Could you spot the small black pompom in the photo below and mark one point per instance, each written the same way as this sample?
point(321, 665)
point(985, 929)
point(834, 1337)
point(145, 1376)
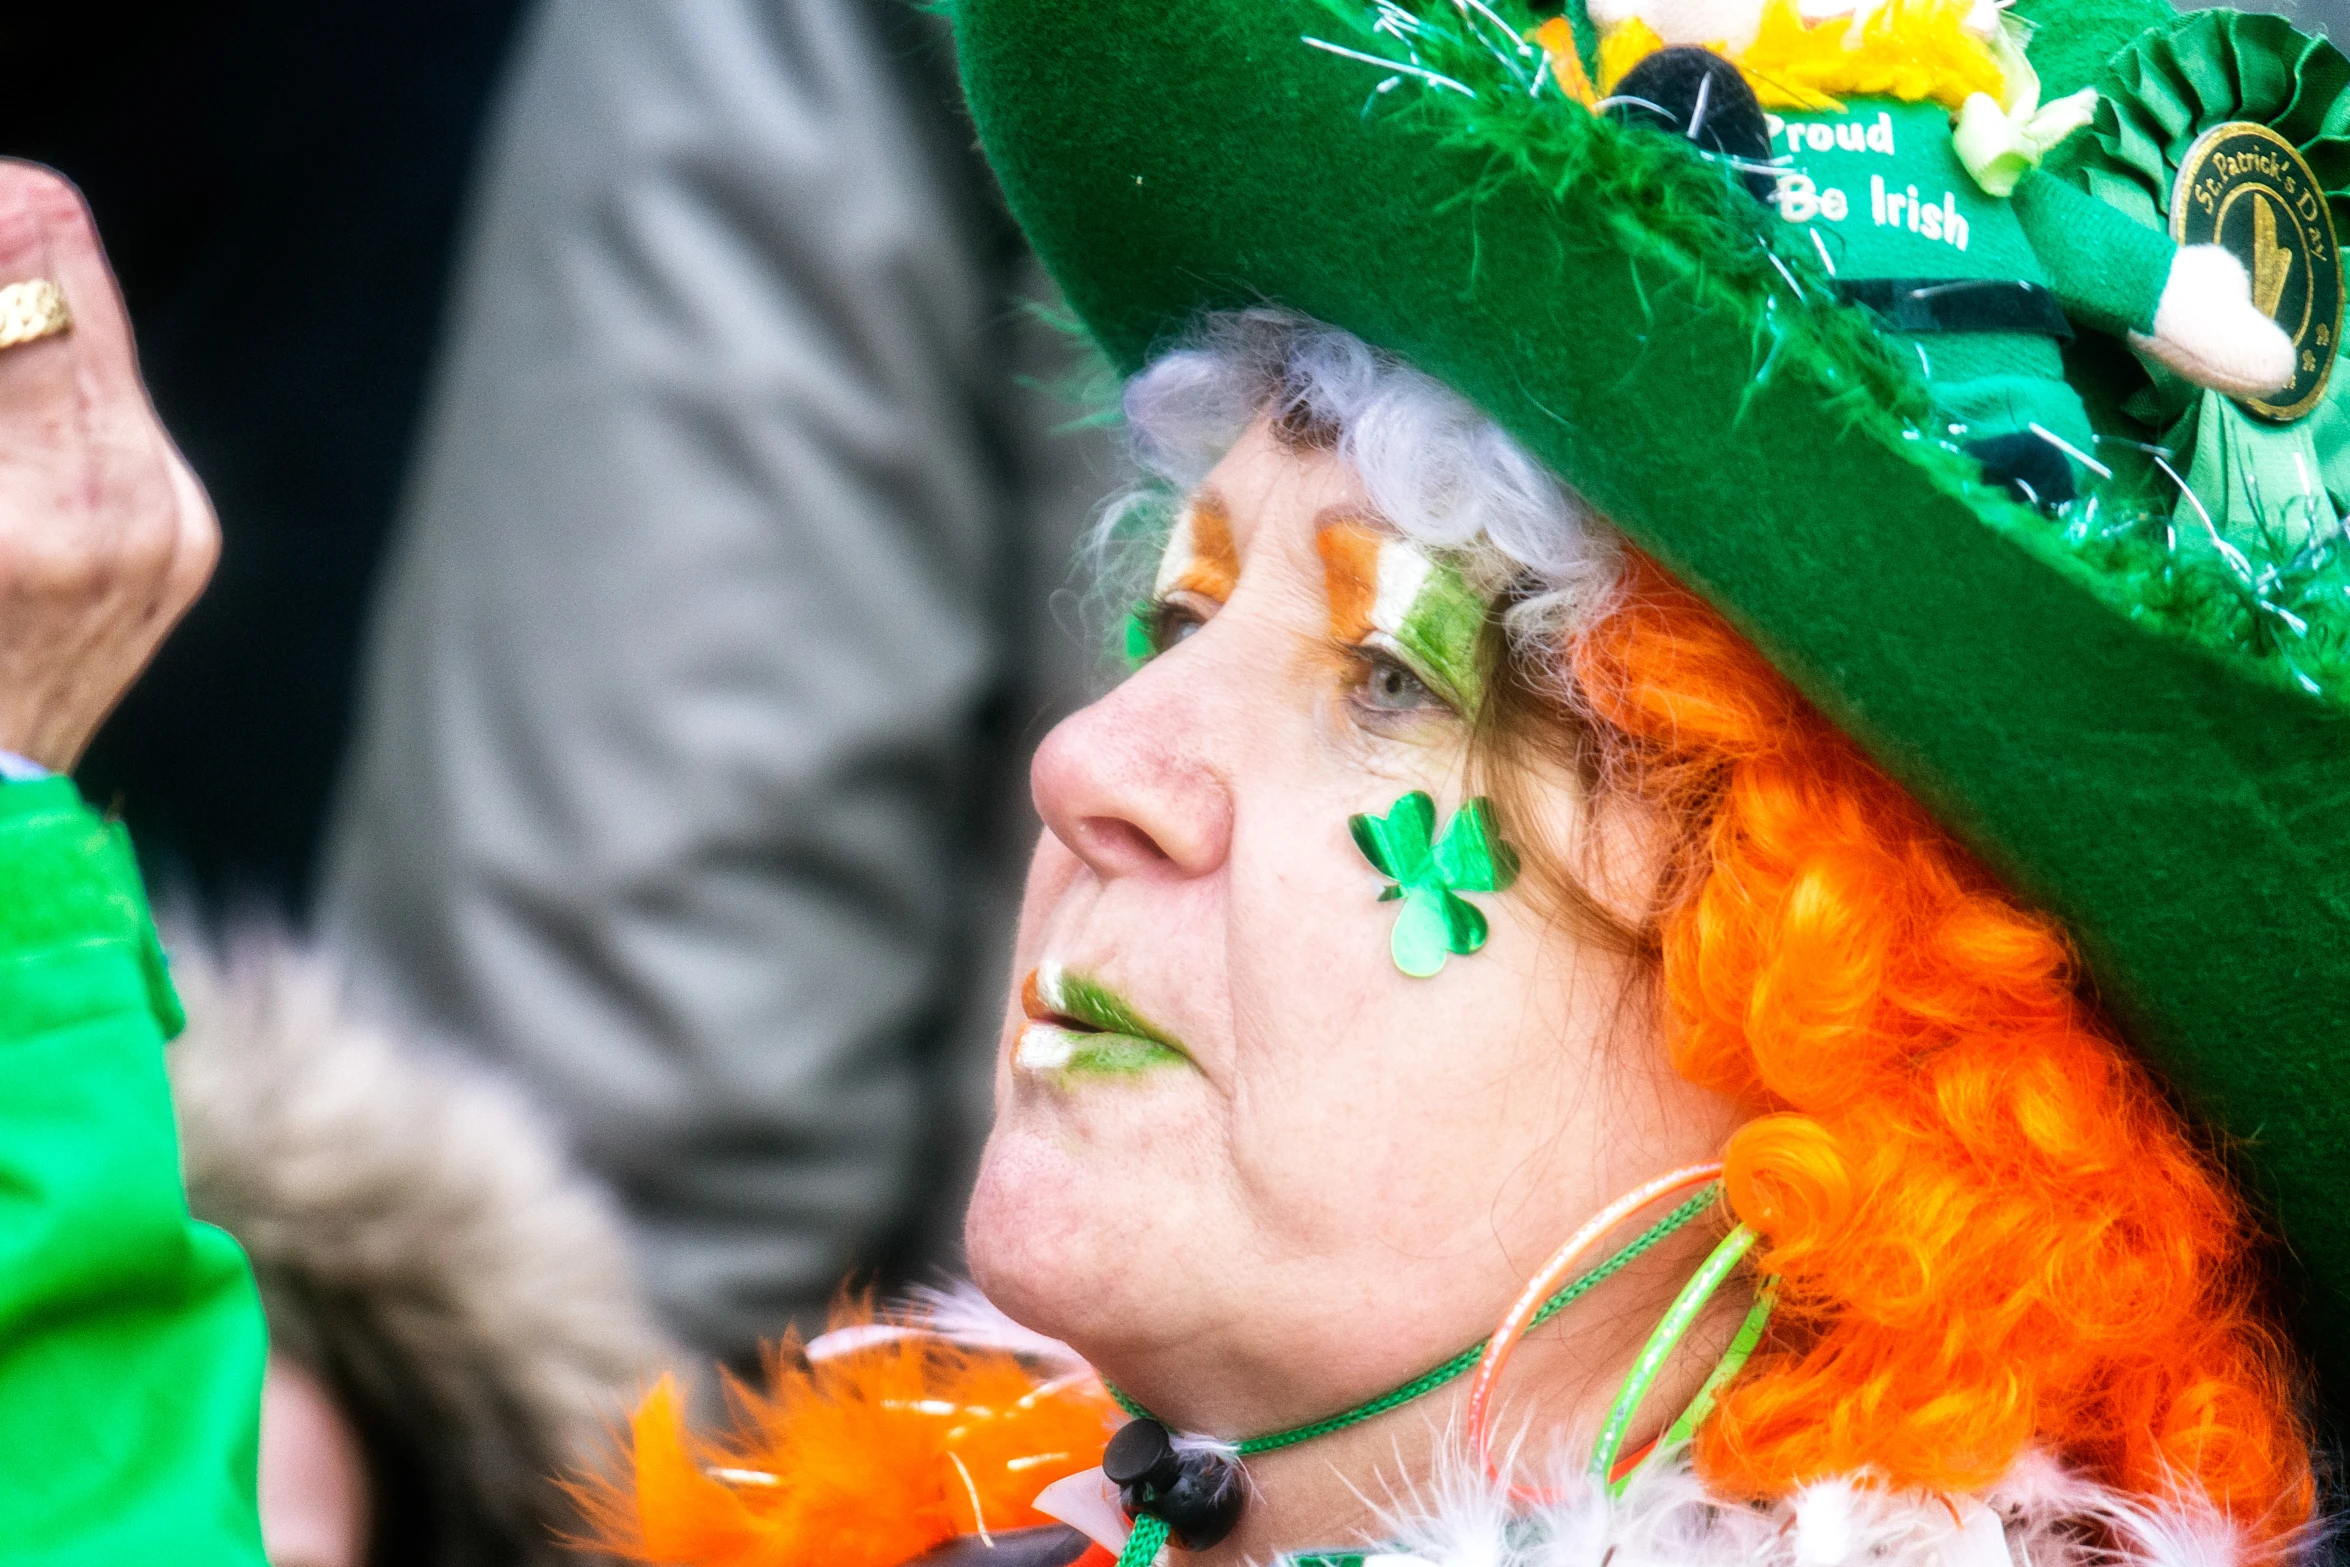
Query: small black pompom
point(1696, 94)
point(1199, 1493)
point(2027, 467)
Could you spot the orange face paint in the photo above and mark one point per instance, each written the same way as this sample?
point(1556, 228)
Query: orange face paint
point(1387, 593)
point(1200, 557)
point(1350, 572)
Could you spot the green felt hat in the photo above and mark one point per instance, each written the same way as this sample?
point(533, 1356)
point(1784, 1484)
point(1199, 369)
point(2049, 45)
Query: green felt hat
point(2137, 741)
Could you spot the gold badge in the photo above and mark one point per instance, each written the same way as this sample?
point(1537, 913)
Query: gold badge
point(2245, 187)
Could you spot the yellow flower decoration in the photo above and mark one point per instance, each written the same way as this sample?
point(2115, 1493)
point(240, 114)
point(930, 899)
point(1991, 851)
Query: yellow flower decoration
point(1913, 50)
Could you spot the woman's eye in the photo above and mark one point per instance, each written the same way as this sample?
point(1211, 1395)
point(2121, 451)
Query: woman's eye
point(1170, 621)
point(1388, 687)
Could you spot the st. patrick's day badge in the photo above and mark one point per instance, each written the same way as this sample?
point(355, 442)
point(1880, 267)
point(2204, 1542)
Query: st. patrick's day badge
point(2243, 186)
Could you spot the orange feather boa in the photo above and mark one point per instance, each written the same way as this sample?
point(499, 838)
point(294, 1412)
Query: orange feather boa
point(865, 1459)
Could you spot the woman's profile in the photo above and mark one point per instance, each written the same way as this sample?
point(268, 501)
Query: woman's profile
point(1651, 964)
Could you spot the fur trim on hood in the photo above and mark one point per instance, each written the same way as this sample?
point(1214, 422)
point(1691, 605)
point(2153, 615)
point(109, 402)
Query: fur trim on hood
point(423, 1245)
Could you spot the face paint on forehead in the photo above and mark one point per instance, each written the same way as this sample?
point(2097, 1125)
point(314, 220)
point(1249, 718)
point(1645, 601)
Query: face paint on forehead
point(1388, 593)
point(1199, 557)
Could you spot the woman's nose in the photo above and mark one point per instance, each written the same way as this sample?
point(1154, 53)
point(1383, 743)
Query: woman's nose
point(1127, 787)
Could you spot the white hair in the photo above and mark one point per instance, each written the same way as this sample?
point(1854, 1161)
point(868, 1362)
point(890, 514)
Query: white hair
point(1442, 473)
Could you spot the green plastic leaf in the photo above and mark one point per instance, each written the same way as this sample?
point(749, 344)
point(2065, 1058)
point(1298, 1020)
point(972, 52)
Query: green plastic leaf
point(1371, 838)
point(1472, 857)
point(1397, 844)
point(1464, 924)
point(1435, 921)
point(1423, 935)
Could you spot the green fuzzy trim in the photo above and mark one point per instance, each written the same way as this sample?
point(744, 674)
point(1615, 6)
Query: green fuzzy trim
point(1121, 562)
point(2291, 609)
point(1090, 387)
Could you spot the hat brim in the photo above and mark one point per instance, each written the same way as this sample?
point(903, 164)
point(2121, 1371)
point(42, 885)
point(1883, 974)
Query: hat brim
point(2185, 810)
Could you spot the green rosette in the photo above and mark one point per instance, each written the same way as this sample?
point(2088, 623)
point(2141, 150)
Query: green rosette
point(2275, 491)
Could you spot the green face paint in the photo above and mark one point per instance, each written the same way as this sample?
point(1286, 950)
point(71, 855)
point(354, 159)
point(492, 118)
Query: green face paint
point(1078, 1025)
point(1387, 593)
point(1438, 635)
point(1136, 644)
point(1199, 559)
point(1044, 1048)
point(1430, 873)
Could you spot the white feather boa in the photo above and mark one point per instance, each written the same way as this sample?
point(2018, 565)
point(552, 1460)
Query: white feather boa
point(2039, 1515)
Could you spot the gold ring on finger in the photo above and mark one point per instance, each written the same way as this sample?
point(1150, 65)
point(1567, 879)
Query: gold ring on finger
point(32, 310)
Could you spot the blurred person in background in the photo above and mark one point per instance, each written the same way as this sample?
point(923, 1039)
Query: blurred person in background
point(689, 781)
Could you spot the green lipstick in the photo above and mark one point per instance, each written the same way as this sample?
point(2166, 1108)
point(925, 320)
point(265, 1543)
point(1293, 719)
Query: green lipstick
point(1076, 1024)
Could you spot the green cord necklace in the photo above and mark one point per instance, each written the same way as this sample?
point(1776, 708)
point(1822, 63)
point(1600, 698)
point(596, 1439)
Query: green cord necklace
point(1195, 1496)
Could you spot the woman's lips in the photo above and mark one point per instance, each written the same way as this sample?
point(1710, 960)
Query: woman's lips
point(1078, 1025)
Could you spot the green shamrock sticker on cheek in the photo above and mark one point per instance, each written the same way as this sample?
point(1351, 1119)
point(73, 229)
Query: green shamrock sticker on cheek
point(1431, 873)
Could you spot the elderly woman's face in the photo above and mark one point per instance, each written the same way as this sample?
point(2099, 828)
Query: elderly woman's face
point(1240, 1160)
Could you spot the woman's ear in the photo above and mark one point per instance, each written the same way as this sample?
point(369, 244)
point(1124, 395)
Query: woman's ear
point(1636, 853)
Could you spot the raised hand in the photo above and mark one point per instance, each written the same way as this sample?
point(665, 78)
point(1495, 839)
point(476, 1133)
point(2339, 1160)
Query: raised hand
point(106, 536)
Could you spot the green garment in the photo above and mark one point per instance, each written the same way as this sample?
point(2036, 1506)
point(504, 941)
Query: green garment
point(131, 1338)
point(2108, 269)
point(1880, 187)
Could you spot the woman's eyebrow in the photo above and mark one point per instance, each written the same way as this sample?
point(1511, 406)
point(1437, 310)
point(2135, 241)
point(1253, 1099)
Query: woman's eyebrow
point(1356, 514)
point(1200, 557)
point(1350, 570)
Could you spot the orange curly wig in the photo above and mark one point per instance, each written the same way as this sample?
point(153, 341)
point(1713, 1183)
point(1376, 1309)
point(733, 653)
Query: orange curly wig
point(1991, 1229)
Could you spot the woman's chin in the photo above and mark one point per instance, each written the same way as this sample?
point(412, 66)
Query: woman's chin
point(1032, 1257)
point(1077, 1235)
